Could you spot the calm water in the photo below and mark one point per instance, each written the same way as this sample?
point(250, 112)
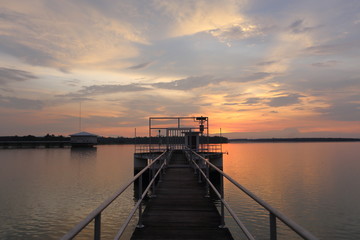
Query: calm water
point(45, 192)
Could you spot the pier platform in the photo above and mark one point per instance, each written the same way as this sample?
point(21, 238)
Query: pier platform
point(180, 209)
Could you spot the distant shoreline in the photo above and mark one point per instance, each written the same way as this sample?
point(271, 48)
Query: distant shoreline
point(266, 140)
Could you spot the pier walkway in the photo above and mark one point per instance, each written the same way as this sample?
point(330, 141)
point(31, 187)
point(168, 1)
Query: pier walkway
point(176, 200)
point(180, 209)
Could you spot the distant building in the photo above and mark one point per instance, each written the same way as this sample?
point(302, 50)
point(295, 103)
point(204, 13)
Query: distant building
point(83, 139)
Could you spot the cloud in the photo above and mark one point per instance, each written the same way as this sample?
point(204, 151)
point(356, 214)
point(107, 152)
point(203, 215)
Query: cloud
point(203, 81)
point(66, 35)
point(105, 89)
point(235, 32)
point(267, 63)
point(253, 100)
point(140, 66)
point(156, 104)
point(298, 27)
point(190, 17)
point(9, 74)
point(20, 103)
point(346, 109)
point(330, 63)
point(187, 83)
point(287, 100)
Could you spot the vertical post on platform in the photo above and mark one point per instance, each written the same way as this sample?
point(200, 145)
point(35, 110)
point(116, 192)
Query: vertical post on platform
point(222, 225)
point(207, 184)
point(153, 177)
point(273, 234)
point(97, 227)
point(199, 172)
point(140, 225)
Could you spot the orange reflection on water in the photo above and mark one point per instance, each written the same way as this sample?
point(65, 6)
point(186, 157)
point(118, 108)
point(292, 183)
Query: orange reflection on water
point(309, 182)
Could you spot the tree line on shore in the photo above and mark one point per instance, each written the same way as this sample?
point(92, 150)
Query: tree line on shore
point(112, 140)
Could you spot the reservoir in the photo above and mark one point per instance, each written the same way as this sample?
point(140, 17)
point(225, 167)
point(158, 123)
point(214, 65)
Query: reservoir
point(46, 192)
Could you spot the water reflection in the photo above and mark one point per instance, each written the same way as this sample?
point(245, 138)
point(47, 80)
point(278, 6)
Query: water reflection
point(312, 183)
point(83, 153)
point(45, 192)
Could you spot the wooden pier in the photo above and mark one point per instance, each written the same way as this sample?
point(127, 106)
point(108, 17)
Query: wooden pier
point(180, 209)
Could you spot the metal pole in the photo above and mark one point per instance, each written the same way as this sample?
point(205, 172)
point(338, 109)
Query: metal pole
point(273, 234)
point(140, 225)
point(199, 171)
point(222, 225)
point(153, 184)
point(97, 227)
point(207, 184)
point(149, 134)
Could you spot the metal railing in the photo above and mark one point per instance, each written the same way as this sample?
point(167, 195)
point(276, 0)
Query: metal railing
point(203, 148)
point(273, 213)
point(156, 167)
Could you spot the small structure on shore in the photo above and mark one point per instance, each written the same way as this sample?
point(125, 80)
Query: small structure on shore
point(83, 139)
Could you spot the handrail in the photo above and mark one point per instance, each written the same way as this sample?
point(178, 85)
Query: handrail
point(273, 212)
point(232, 213)
point(132, 212)
point(97, 212)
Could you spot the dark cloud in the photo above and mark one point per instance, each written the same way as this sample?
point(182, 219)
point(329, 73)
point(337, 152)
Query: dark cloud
point(203, 81)
point(350, 47)
point(187, 83)
point(140, 66)
point(330, 63)
point(347, 109)
point(105, 89)
point(20, 103)
point(266, 63)
point(9, 74)
point(253, 100)
point(298, 27)
point(231, 104)
point(234, 96)
point(25, 53)
point(290, 99)
point(254, 77)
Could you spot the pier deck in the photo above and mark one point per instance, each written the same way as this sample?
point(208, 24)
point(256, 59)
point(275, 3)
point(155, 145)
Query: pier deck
point(180, 210)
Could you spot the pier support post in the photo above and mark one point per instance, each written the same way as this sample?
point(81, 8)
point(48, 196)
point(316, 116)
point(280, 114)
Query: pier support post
point(140, 225)
point(207, 184)
point(97, 227)
point(273, 234)
point(222, 224)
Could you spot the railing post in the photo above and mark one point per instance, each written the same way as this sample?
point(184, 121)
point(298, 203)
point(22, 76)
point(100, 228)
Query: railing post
point(97, 227)
point(199, 170)
point(207, 184)
point(140, 225)
point(222, 225)
point(153, 184)
point(273, 234)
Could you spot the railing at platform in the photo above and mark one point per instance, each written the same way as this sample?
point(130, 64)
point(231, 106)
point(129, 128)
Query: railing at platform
point(203, 148)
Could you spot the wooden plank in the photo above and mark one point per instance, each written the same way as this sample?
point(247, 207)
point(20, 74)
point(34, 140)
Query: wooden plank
point(180, 210)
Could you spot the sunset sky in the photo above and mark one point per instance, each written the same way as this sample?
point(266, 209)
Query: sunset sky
point(275, 68)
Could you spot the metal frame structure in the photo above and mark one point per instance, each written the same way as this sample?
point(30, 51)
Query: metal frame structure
point(177, 131)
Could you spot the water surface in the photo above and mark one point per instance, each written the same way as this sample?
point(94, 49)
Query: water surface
point(45, 192)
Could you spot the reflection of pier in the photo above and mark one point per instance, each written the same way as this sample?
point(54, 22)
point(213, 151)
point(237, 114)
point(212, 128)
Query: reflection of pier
point(178, 176)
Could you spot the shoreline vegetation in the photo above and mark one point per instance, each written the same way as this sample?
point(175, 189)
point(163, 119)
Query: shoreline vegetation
point(105, 140)
point(156, 140)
